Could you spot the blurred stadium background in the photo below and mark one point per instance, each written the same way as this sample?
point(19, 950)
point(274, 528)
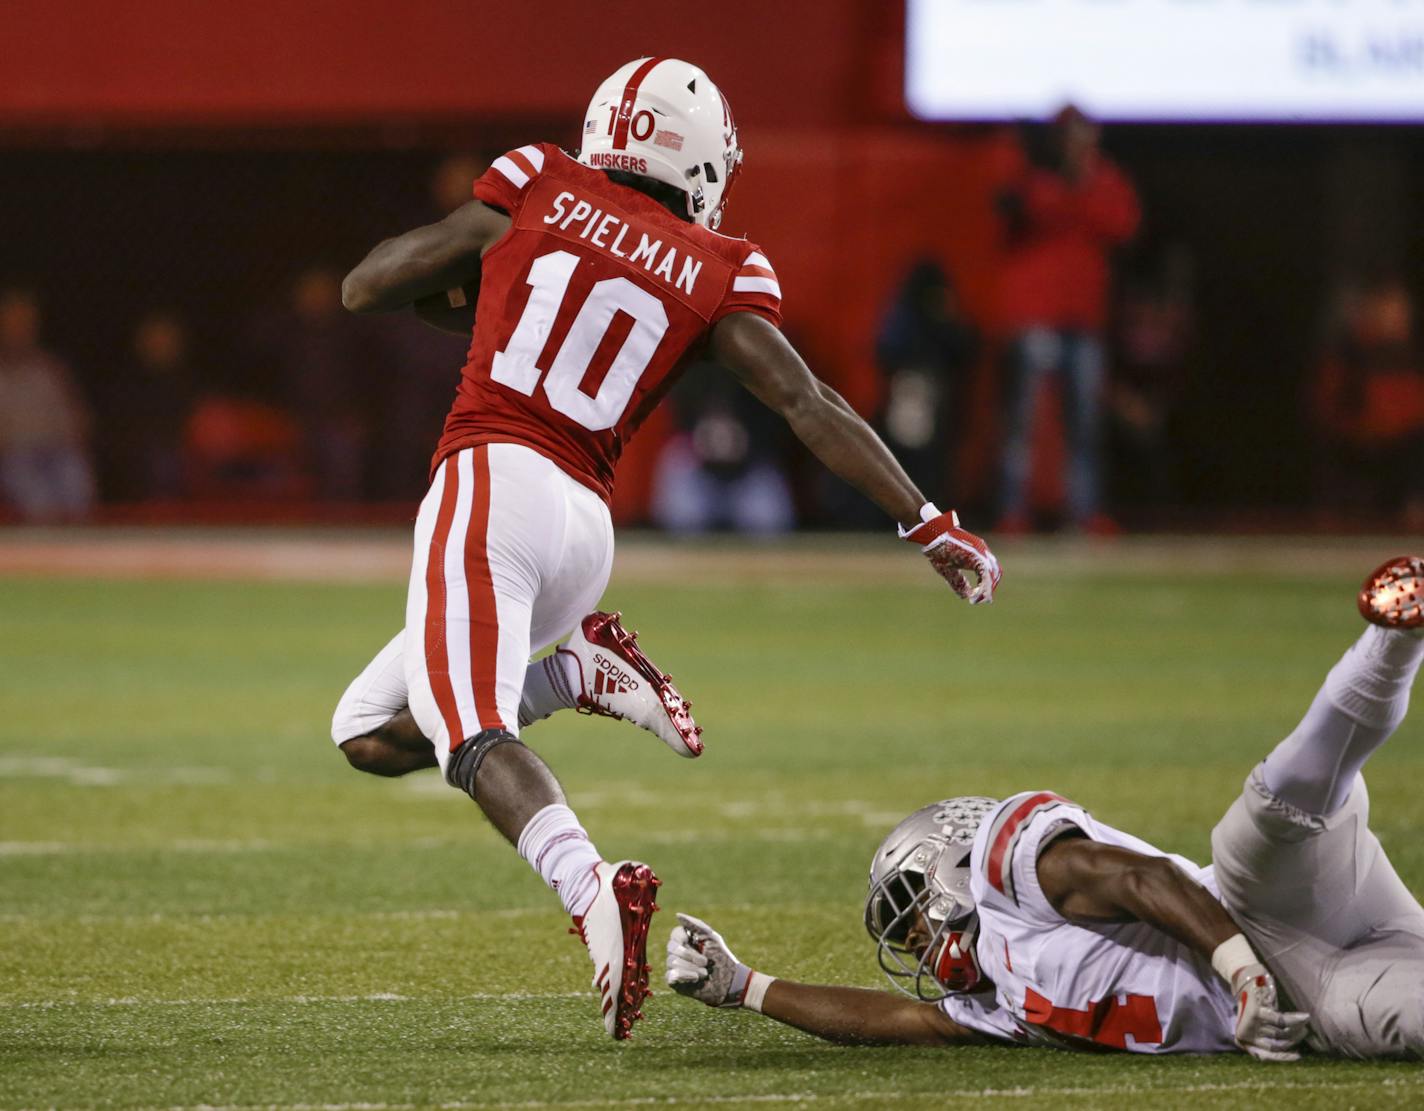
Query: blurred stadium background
point(182, 184)
point(201, 905)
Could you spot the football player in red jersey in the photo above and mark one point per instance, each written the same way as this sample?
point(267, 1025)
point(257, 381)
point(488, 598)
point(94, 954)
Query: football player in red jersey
point(1024, 921)
point(596, 276)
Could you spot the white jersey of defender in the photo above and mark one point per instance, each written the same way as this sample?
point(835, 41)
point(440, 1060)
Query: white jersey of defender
point(1125, 986)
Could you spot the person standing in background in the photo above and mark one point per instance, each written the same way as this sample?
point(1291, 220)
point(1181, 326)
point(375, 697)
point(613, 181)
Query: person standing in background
point(722, 468)
point(150, 405)
point(416, 381)
point(925, 350)
point(45, 470)
point(1369, 407)
point(324, 368)
point(1064, 209)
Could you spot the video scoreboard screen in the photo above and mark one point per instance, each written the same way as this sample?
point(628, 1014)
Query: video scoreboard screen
point(1202, 60)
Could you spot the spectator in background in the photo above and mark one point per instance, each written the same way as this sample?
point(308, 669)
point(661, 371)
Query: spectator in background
point(323, 367)
point(1369, 406)
point(422, 364)
point(925, 350)
point(1065, 207)
point(1156, 320)
point(453, 182)
point(45, 469)
point(722, 468)
point(150, 408)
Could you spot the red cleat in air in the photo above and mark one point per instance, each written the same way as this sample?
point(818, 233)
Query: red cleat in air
point(1393, 595)
point(619, 681)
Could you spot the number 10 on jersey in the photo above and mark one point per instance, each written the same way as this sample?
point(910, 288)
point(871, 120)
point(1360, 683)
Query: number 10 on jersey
point(516, 367)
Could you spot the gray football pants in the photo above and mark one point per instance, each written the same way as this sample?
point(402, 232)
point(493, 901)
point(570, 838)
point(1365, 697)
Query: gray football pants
point(1329, 915)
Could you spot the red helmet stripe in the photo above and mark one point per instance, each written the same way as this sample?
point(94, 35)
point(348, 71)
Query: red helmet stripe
point(625, 106)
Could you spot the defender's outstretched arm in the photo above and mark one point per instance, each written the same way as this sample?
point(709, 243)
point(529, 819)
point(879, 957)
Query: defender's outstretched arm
point(765, 363)
point(424, 262)
point(860, 1016)
point(700, 964)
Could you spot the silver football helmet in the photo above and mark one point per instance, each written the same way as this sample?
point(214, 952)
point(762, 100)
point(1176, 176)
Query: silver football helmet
point(918, 909)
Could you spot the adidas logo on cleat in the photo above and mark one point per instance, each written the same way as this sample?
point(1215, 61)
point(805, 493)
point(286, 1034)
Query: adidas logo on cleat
point(610, 678)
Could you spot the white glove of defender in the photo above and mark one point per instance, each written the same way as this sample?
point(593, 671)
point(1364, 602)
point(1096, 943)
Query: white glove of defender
point(700, 964)
point(1262, 1029)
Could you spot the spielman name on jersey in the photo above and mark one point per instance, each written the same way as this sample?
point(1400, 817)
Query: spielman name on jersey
point(605, 231)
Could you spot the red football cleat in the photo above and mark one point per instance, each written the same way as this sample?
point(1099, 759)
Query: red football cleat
point(615, 929)
point(619, 681)
point(1393, 595)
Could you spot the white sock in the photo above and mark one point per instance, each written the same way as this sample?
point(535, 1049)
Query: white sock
point(1371, 682)
point(1364, 699)
point(550, 684)
point(558, 848)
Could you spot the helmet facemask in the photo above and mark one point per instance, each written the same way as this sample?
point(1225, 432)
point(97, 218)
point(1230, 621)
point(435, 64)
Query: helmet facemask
point(919, 908)
point(923, 953)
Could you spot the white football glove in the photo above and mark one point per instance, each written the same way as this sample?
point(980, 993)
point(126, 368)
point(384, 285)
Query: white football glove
point(1262, 1028)
point(700, 965)
point(952, 551)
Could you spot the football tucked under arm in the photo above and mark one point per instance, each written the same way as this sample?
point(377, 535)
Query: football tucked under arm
point(452, 311)
point(424, 262)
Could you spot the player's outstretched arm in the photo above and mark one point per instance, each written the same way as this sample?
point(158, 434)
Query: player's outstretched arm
point(424, 262)
point(700, 965)
point(1090, 882)
point(766, 363)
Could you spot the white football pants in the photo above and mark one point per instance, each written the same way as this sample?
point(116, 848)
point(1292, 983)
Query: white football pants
point(510, 553)
point(1321, 902)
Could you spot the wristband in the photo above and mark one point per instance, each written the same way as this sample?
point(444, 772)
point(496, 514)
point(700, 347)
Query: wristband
point(757, 983)
point(1232, 955)
point(928, 512)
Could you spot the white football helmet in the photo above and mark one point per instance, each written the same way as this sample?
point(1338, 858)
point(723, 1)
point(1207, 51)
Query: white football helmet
point(919, 909)
point(665, 119)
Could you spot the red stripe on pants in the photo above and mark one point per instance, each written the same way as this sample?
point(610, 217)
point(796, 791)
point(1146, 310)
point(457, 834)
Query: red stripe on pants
point(437, 658)
point(484, 614)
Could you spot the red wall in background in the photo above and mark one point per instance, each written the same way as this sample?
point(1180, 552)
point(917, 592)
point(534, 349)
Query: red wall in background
point(840, 188)
point(791, 62)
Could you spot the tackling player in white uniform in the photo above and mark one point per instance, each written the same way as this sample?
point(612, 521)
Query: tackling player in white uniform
point(1026, 921)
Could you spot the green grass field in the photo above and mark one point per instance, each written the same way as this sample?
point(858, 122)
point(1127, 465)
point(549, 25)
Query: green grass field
point(203, 906)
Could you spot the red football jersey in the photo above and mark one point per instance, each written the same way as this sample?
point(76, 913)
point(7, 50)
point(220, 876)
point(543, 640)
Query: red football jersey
point(587, 308)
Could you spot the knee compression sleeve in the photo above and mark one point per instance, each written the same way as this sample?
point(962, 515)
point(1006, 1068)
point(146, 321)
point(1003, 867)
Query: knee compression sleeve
point(465, 761)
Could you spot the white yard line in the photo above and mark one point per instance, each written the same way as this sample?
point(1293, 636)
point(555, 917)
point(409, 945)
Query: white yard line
point(79, 774)
point(258, 1000)
point(939, 1096)
point(182, 845)
point(383, 556)
point(423, 915)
